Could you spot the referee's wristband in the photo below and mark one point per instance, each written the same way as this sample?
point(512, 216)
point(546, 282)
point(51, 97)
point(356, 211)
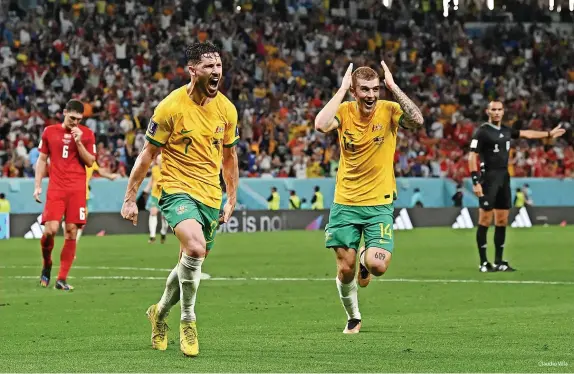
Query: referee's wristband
point(474, 175)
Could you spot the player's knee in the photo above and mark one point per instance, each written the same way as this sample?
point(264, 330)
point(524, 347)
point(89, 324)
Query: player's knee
point(71, 232)
point(501, 221)
point(153, 211)
point(195, 246)
point(485, 219)
point(378, 261)
point(346, 271)
point(51, 228)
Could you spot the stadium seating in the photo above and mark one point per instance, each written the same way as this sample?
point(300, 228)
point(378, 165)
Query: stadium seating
point(282, 63)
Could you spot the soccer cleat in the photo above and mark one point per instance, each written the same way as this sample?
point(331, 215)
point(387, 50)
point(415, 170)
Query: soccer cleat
point(45, 277)
point(163, 238)
point(63, 285)
point(188, 342)
point(503, 266)
point(363, 275)
point(353, 326)
point(158, 329)
point(486, 267)
point(151, 240)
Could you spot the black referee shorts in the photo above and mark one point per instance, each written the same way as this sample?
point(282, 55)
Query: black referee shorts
point(496, 190)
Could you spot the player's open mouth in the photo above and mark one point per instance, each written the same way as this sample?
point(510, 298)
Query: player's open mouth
point(213, 83)
point(369, 103)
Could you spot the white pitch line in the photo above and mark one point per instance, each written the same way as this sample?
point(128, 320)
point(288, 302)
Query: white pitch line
point(90, 268)
point(205, 276)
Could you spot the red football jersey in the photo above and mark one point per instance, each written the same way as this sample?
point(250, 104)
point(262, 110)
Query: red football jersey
point(67, 171)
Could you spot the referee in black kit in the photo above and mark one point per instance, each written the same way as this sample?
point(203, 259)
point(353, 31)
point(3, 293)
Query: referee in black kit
point(491, 142)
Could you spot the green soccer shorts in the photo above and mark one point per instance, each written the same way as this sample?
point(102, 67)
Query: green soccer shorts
point(348, 223)
point(152, 202)
point(178, 207)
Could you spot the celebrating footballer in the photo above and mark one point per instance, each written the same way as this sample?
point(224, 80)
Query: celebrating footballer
point(365, 188)
point(195, 128)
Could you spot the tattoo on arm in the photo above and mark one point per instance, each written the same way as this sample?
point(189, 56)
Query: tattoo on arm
point(413, 117)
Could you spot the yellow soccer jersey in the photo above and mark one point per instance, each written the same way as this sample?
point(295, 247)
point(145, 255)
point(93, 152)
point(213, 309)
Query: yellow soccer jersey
point(155, 176)
point(366, 174)
point(89, 174)
point(193, 137)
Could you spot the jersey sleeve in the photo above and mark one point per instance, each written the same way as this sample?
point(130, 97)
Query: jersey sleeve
point(95, 166)
point(477, 142)
point(43, 146)
point(397, 114)
point(90, 142)
point(231, 136)
point(160, 125)
point(514, 133)
point(340, 116)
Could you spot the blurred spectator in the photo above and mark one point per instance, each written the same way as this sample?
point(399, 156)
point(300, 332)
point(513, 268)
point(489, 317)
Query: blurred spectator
point(283, 60)
point(4, 204)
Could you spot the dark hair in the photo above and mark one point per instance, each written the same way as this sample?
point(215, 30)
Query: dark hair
point(2, 196)
point(194, 51)
point(75, 106)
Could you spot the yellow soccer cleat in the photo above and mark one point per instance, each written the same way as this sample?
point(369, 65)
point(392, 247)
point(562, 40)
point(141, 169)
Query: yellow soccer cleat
point(363, 275)
point(188, 342)
point(158, 329)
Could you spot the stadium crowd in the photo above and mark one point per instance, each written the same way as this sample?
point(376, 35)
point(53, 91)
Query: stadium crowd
point(282, 63)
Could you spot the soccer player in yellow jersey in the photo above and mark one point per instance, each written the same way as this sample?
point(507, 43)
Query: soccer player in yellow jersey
point(365, 185)
point(195, 128)
point(153, 202)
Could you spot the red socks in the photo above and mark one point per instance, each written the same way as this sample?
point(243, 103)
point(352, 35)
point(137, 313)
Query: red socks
point(66, 258)
point(47, 244)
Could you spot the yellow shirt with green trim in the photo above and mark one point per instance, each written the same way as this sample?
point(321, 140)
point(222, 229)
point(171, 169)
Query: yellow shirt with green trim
point(366, 175)
point(193, 137)
point(155, 176)
point(89, 173)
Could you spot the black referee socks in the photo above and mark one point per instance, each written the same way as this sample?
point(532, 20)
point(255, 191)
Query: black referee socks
point(499, 238)
point(481, 242)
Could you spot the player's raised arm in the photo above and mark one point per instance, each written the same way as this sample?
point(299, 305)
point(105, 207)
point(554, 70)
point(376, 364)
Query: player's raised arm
point(533, 134)
point(325, 120)
point(86, 152)
point(413, 117)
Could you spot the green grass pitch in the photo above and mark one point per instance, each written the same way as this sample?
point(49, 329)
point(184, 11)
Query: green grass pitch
point(271, 305)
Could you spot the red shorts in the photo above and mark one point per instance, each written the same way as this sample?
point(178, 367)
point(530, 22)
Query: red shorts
point(71, 204)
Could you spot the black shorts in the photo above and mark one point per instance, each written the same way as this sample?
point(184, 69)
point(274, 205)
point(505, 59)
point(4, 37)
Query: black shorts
point(496, 190)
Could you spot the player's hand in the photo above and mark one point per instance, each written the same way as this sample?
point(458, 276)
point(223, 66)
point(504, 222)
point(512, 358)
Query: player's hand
point(114, 176)
point(389, 81)
point(477, 188)
point(130, 211)
point(557, 132)
point(37, 193)
point(227, 211)
point(77, 134)
point(347, 78)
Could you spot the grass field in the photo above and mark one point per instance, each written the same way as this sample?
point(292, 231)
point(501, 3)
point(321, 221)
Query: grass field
point(271, 306)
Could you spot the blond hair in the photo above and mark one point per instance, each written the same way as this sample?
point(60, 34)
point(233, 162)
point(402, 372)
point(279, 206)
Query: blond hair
point(365, 73)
